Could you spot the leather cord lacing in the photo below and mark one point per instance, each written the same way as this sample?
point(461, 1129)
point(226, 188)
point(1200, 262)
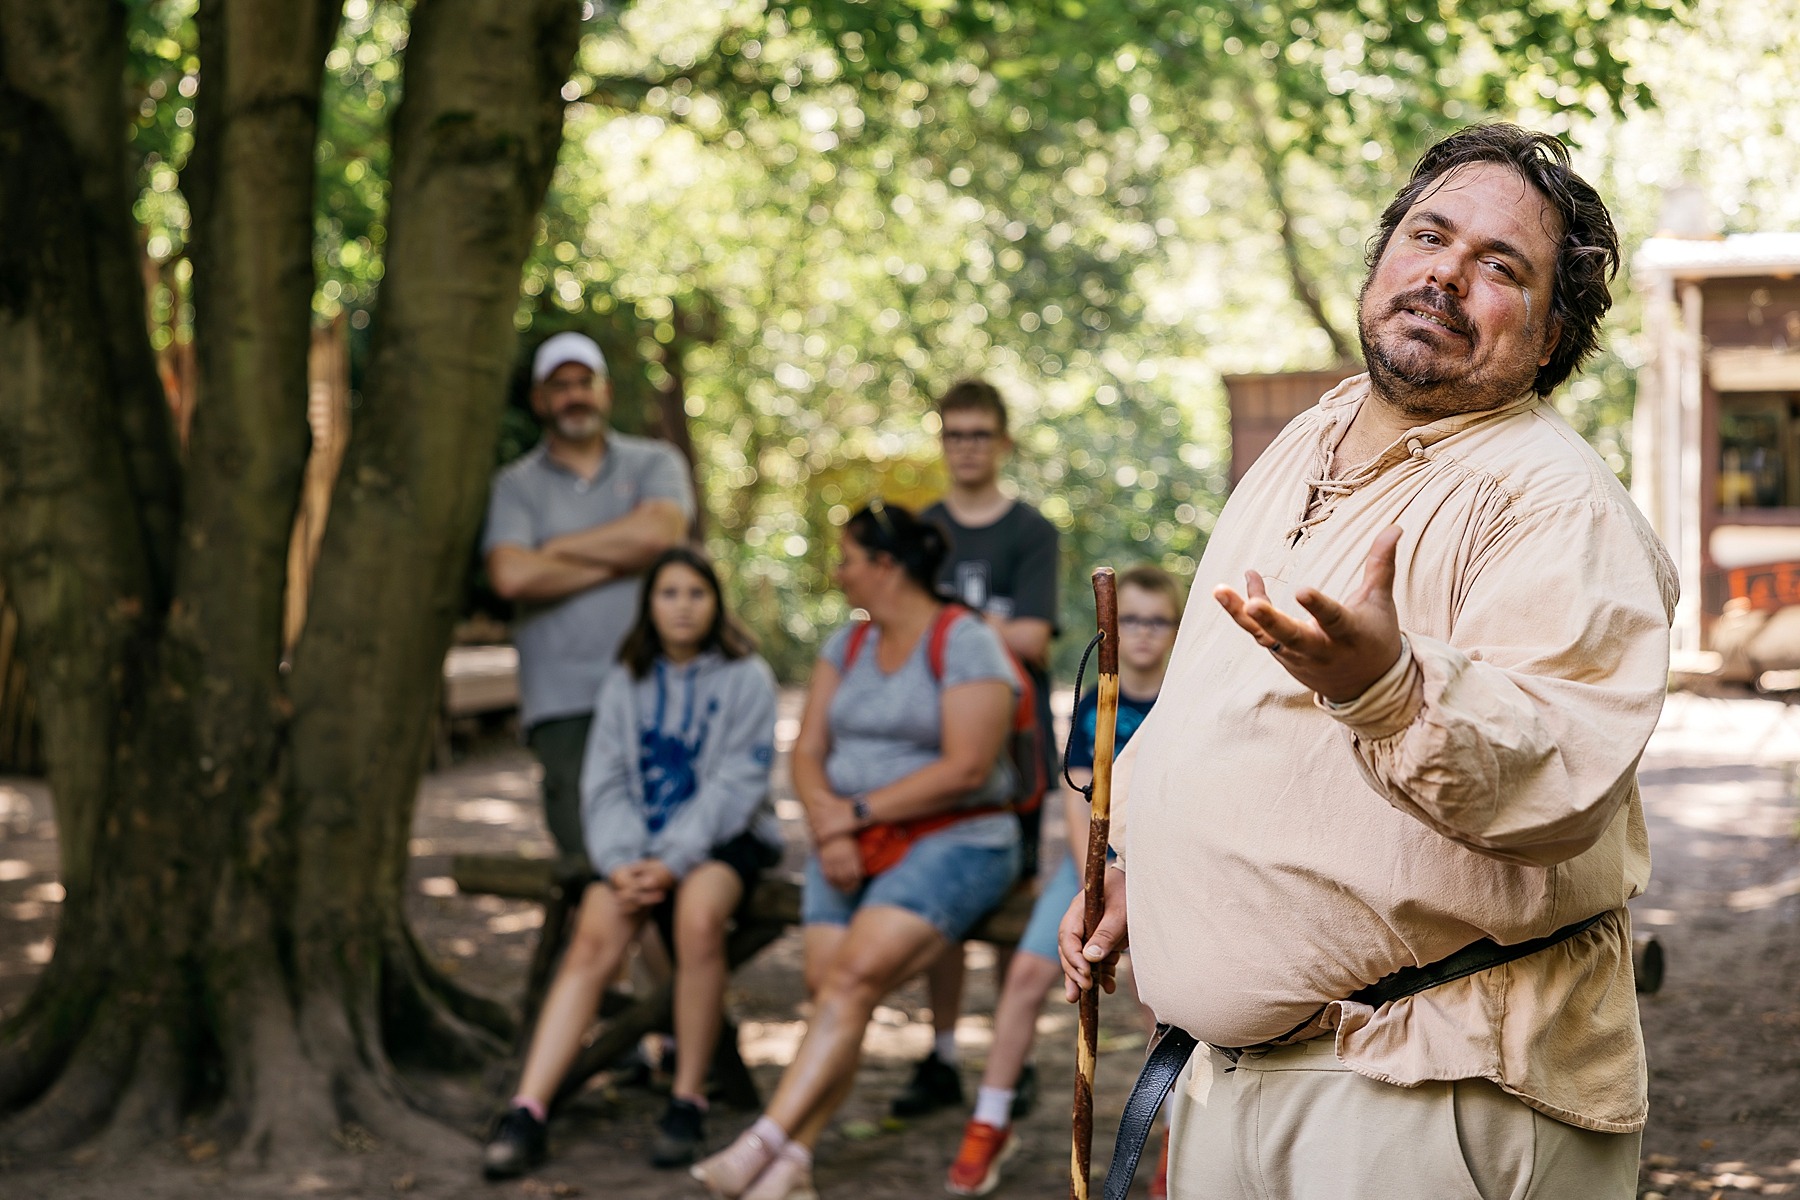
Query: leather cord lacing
point(1322, 494)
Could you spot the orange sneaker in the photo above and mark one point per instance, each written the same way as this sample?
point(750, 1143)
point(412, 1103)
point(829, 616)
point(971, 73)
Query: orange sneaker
point(1159, 1182)
point(976, 1171)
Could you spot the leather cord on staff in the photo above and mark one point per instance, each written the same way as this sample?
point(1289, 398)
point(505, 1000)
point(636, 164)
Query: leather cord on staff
point(1080, 675)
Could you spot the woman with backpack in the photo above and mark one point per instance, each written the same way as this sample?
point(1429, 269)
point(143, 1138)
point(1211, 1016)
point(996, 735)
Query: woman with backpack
point(676, 815)
point(901, 765)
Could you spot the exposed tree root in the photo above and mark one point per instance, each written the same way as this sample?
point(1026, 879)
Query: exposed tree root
point(396, 1121)
point(149, 1111)
point(483, 1011)
point(36, 1043)
point(85, 1092)
point(422, 1027)
point(282, 1096)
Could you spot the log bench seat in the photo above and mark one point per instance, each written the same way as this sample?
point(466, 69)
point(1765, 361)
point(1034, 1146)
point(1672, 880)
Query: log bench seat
point(557, 884)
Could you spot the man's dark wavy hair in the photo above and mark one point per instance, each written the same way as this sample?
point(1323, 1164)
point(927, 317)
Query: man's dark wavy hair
point(1588, 256)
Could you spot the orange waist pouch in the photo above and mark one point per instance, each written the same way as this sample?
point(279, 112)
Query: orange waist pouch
point(881, 846)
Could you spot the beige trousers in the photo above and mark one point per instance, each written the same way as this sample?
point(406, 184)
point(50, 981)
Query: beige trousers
point(1297, 1124)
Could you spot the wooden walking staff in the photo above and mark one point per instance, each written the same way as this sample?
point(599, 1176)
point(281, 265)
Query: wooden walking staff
point(1106, 612)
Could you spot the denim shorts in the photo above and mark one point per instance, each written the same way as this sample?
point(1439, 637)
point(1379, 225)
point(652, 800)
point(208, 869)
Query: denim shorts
point(1059, 892)
point(947, 881)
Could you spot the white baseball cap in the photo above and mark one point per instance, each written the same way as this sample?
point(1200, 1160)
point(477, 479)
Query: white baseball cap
point(567, 347)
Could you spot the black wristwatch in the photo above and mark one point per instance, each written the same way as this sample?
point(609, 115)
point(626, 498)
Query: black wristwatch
point(859, 805)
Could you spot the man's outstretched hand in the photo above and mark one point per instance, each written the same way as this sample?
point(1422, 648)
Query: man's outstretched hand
point(1346, 646)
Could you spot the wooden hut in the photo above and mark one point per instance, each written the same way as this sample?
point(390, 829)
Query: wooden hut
point(1716, 444)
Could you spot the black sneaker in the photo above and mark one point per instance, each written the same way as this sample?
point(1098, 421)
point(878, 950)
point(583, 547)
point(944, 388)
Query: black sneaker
point(1025, 1092)
point(519, 1142)
point(935, 1084)
point(680, 1135)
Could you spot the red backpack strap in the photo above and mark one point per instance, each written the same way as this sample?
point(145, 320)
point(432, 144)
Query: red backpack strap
point(859, 633)
point(940, 636)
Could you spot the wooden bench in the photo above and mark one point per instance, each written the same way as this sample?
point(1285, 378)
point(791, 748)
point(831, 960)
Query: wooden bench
point(478, 680)
point(557, 884)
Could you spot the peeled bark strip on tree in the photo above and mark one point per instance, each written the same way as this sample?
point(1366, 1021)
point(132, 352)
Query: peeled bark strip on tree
point(232, 942)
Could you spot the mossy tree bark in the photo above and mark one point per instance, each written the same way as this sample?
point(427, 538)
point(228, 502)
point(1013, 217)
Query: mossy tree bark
point(234, 839)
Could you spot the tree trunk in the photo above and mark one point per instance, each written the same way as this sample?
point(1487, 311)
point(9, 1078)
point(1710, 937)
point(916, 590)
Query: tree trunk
point(232, 941)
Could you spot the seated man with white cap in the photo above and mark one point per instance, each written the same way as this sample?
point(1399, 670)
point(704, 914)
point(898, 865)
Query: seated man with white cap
point(570, 525)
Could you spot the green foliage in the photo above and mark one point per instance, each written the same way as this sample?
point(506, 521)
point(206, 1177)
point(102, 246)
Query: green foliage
point(162, 77)
point(362, 87)
point(797, 220)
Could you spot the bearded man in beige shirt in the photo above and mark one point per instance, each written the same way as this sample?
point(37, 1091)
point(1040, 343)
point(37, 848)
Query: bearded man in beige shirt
point(1333, 793)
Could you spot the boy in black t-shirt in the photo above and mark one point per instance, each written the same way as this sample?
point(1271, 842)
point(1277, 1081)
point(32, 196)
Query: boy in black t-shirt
point(1002, 564)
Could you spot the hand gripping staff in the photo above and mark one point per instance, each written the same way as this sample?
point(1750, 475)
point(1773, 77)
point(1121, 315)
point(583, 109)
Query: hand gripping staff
point(1106, 613)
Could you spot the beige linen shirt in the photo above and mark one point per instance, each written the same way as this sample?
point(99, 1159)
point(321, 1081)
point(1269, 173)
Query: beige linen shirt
point(1282, 855)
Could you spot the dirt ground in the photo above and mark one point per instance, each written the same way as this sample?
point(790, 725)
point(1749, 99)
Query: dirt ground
point(1722, 795)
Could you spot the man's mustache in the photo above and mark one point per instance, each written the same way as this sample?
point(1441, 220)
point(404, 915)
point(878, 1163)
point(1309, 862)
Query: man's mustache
point(1438, 304)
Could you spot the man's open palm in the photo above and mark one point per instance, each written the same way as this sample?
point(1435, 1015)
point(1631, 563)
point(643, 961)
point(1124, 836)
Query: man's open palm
point(1345, 646)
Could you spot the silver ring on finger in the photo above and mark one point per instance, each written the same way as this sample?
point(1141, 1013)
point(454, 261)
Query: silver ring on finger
point(1276, 648)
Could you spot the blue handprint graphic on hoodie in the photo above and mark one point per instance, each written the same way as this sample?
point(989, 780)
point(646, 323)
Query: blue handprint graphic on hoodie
point(666, 759)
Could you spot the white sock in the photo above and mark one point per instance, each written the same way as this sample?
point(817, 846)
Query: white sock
point(798, 1154)
point(993, 1106)
point(774, 1137)
point(944, 1046)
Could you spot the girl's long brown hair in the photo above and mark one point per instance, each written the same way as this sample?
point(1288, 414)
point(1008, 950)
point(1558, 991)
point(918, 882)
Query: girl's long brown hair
point(727, 635)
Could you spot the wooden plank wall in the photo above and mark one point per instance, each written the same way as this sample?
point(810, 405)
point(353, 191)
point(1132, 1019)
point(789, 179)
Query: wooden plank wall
point(1262, 405)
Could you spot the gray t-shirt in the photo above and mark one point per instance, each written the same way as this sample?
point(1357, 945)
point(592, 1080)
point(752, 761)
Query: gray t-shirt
point(884, 727)
point(566, 647)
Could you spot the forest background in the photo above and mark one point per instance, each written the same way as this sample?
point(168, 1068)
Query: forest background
point(789, 223)
point(787, 249)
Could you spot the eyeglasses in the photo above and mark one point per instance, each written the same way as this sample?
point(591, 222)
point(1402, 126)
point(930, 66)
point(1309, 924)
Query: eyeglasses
point(969, 437)
point(1136, 624)
point(879, 511)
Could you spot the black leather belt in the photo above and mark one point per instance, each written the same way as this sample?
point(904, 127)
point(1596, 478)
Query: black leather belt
point(1170, 1048)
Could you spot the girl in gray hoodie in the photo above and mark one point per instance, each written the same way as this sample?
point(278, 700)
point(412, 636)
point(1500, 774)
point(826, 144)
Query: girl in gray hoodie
point(678, 823)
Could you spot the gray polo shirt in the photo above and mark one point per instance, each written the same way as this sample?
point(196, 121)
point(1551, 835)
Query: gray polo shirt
point(566, 647)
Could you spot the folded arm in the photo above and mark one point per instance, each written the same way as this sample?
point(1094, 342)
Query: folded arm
point(975, 717)
point(521, 573)
point(626, 545)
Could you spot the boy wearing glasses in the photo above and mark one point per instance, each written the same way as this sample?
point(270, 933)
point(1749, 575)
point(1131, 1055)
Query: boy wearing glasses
point(1149, 607)
point(1002, 564)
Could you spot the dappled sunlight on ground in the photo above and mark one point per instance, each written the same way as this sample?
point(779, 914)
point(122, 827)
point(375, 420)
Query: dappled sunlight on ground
point(1719, 785)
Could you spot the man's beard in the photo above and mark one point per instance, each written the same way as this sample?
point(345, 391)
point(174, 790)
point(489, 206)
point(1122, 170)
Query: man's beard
point(580, 423)
point(1434, 386)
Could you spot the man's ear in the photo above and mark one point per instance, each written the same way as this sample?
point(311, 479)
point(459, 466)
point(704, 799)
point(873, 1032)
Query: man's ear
point(1550, 343)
